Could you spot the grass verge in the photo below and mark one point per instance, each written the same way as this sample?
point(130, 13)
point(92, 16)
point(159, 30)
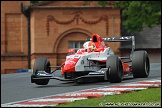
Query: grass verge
point(145, 98)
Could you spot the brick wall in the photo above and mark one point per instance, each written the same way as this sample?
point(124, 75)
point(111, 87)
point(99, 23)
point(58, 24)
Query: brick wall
point(13, 37)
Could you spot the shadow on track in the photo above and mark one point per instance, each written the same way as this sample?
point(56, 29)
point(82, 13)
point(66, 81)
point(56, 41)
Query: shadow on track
point(83, 83)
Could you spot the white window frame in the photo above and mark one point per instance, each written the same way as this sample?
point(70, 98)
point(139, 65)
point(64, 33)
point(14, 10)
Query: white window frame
point(74, 43)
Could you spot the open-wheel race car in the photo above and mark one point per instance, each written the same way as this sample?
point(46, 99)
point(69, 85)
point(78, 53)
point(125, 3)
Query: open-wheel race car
point(95, 60)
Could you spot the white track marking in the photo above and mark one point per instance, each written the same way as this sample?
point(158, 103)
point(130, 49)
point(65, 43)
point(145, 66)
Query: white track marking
point(92, 93)
point(147, 85)
point(58, 100)
point(125, 89)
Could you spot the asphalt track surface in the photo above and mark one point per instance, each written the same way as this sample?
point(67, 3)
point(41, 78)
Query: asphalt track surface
point(17, 86)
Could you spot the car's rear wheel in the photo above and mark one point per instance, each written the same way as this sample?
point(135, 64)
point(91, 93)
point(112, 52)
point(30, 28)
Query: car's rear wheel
point(41, 64)
point(140, 64)
point(115, 69)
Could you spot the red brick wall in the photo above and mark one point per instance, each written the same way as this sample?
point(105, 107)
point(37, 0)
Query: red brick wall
point(13, 37)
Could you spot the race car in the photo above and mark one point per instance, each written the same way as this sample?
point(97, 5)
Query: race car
point(94, 60)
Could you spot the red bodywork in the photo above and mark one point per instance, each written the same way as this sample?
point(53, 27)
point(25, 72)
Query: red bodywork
point(69, 65)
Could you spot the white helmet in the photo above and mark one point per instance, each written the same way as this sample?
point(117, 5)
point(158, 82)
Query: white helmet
point(89, 46)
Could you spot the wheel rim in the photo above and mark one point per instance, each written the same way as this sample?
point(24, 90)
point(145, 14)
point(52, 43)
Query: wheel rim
point(146, 66)
point(121, 72)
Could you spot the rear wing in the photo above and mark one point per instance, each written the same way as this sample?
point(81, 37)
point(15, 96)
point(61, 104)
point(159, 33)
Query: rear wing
point(121, 39)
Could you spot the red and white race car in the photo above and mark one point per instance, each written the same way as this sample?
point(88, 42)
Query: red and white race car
point(95, 60)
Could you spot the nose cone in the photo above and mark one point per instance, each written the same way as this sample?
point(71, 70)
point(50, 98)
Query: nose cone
point(70, 63)
point(68, 67)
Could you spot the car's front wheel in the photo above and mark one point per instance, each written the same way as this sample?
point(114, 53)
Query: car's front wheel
point(41, 64)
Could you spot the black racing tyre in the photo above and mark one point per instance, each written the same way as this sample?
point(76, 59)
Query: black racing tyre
point(42, 64)
point(140, 64)
point(115, 74)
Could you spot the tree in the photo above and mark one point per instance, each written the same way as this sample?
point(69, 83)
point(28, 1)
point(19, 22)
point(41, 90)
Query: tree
point(34, 2)
point(137, 14)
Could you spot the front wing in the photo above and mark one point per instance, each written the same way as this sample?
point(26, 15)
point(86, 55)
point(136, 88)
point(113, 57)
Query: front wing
point(38, 75)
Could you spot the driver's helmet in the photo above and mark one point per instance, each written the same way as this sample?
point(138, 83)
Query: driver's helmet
point(89, 46)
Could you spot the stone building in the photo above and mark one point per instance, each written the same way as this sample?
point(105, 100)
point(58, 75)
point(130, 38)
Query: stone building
point(55, 26)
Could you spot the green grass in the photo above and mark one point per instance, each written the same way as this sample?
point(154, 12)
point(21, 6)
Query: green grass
point(149, 96)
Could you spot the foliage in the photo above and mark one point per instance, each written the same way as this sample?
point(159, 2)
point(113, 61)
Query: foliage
point(34, 2)
point(100, 3)
point(137, 14)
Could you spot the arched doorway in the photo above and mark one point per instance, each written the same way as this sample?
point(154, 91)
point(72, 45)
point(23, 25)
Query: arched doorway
point(71, 40)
